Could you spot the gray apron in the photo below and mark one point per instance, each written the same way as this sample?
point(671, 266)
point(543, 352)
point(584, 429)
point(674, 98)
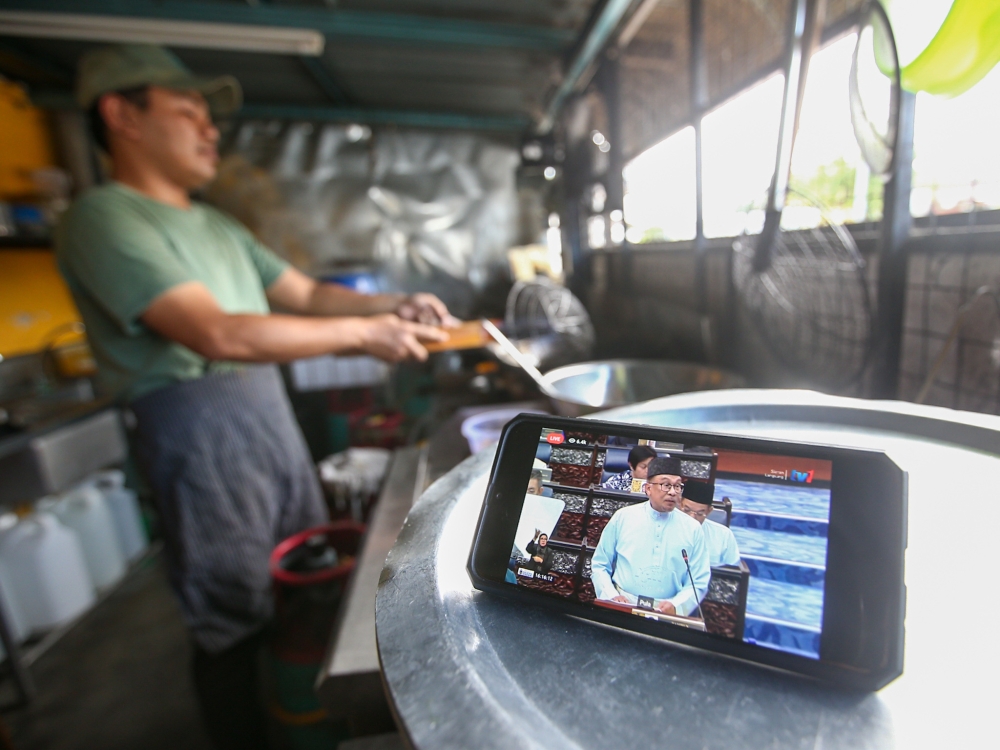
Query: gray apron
point(232, 477)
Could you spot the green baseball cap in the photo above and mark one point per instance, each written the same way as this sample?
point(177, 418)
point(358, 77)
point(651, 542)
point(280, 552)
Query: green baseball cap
point(127, 66)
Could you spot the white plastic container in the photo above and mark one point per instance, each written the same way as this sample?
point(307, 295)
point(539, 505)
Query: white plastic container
point(17, 620)
point(480, 430)
point(47, 571)
point(84, 510)
point(125, 510)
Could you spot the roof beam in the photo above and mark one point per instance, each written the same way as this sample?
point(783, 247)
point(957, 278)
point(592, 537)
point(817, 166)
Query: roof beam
point(61, 99)
point(589, 46)
point(334, 23)
point(398, 117)
point(322, 77)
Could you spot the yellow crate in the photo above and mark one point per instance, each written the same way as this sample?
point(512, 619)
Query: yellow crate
point(34, 302)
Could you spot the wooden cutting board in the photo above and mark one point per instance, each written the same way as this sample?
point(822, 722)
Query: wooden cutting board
point(469, 335)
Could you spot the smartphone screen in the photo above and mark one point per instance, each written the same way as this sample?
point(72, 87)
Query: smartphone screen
point(787, 554)
point(729, 542)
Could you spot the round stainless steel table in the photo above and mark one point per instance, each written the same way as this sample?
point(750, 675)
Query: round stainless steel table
point(464, 669)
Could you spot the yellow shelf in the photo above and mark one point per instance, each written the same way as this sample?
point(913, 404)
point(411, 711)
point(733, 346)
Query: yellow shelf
point(26, 142)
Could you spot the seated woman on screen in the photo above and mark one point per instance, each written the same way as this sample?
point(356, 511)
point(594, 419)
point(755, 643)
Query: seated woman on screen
point(638, 461)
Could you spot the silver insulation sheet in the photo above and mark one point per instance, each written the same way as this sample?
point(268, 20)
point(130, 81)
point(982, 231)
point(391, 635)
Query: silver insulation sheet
point(427, 209)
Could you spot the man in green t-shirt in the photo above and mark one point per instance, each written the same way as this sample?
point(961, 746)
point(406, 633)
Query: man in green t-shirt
point(177, 300)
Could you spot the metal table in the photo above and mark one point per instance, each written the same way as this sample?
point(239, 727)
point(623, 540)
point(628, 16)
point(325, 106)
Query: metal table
point(465, 669)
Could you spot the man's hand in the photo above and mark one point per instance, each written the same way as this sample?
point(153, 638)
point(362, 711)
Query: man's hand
point(189, 314)
point(390, 338)
point(427, 309)
point(297, 293)
point(666, 608)
point(537, 558)
point(620, 598)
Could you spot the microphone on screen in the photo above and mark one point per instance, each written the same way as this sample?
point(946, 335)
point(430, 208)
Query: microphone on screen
point(684, 554)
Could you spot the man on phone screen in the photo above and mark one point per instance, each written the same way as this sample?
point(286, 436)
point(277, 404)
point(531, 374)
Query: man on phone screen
point(697, 503)
point(641, 550)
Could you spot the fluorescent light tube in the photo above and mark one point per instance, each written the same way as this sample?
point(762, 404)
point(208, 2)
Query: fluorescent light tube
point(93, 28)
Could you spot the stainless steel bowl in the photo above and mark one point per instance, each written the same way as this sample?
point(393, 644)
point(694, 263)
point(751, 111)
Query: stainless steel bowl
point(589, 386)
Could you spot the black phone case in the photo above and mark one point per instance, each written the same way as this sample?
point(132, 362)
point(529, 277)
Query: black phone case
point(883, 634)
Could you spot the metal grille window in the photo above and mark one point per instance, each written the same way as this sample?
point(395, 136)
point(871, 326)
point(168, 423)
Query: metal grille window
point(743, 38)
point(738, 143)
point(655, 85)
point(827, 163)
point(956, 151)
point(939, 285)
point(660, 191)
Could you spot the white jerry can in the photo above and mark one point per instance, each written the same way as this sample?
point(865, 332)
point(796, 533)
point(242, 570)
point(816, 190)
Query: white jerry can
point(125, 511)
point(44, 562)
point(17, 620)
point(84, 510)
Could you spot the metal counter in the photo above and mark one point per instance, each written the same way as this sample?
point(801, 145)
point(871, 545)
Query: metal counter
point(348, 683)
point(465, 669)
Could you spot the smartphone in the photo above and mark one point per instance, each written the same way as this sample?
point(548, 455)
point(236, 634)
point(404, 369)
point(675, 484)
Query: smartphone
point(785, 554)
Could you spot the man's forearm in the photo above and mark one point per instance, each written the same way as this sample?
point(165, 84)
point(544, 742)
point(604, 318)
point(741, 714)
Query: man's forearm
point(189, 315)
point(333, 299)
point(282, 338)
point(600, 576)
point(604, 587)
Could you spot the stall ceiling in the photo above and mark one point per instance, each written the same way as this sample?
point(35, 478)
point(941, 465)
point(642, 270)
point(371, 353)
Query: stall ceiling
point(498, 59)
point(487, 64)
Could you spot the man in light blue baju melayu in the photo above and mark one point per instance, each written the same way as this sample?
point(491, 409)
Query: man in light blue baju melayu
point(640, 551)
point(697, 503)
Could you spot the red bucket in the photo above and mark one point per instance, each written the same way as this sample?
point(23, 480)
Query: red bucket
point(310, 571)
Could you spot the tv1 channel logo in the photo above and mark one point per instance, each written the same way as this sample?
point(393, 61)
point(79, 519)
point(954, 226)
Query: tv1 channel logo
point(790, 475)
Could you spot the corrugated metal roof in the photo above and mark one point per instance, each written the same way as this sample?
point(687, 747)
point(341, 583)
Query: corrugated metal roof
point(388, 54)
point(483, 58)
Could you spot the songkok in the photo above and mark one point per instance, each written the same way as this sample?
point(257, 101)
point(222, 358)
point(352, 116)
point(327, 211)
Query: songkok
point(699, 492)
point(664, 465)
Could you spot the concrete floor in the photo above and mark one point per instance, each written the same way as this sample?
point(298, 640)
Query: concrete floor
point(119, 680)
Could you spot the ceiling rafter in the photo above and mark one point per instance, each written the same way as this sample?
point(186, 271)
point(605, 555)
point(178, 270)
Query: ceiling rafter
point(415, 118)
